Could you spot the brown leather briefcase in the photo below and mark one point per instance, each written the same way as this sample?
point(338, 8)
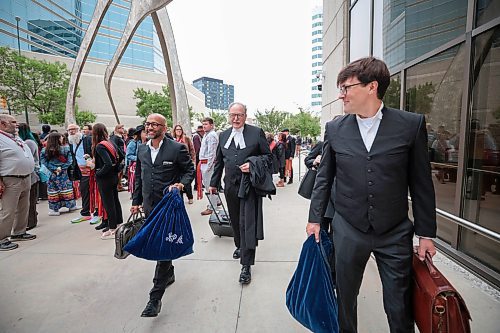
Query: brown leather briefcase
point(437, 306)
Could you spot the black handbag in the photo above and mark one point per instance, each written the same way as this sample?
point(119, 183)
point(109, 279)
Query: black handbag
point(74, 172)
point(125, 232)
point(307, 183)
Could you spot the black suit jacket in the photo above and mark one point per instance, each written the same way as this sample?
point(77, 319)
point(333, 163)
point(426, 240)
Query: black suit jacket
point(231, 158)
point(119, 142)
point(372, 187)
point(172, 165)
point(290, 147)
point(87, 145)
point(315, 151)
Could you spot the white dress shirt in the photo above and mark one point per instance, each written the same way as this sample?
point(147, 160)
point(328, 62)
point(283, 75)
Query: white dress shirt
point(368, 127)
point(208, 149)
point(154, 151)
point(239, 140)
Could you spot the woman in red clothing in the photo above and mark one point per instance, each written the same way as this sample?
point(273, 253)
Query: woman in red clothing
point(179, 136)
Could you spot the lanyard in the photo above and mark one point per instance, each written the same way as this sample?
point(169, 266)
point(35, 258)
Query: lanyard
point(18, 142)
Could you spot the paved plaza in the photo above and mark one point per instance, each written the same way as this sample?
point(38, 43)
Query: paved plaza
point(67, 280)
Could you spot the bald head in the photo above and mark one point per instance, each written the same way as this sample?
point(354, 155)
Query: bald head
point(160, 119)
point(8, 123)
point(155, 126)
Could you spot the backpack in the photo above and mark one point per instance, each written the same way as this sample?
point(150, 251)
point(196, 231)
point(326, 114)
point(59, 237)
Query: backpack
point(117, 157)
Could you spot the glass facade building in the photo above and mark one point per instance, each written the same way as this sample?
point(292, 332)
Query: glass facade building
point(57, 27)
point(444, 58)
point(218, 96)
point(316, 56)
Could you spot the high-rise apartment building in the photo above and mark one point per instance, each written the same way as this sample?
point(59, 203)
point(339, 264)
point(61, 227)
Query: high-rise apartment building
point(57, 28)
point(316, 56)
point(218, 95)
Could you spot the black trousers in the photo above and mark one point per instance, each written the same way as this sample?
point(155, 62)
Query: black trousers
point(109, 195)
point(164, 270)
point(189, 191)
point(42, 191)
point(33, 214)
point(247, 256)
point(393, 254)
point(85, 193)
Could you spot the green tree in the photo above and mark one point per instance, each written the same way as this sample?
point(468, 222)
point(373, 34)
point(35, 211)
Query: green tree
point(272, 120)
point(154, 102)
point(391, 97)
point(39, 86)
point(304, 123)
point(84, 117)
point(496, 113)
point(419, 98)
point(219, 117)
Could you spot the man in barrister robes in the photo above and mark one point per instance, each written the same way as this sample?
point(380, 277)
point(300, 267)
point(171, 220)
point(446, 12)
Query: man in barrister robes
point(236, 145)
point(376, 155)
point(161, 163)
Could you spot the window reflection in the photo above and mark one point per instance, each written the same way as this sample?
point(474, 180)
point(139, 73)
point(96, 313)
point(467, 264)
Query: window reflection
point(393, 93)
point(487, 10)
point(360, 30)
point(434, 88)
point(482, 176)
point(413, 28)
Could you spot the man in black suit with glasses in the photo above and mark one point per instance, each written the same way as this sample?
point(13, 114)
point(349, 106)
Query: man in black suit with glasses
point(376, 156)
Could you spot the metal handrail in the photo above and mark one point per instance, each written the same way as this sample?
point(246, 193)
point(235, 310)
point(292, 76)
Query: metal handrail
point(469, 225)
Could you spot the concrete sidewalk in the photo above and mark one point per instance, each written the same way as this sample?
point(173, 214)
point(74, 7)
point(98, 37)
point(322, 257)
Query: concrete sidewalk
point(67, 280)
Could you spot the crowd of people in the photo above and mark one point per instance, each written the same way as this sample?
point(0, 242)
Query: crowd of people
point(365, 167)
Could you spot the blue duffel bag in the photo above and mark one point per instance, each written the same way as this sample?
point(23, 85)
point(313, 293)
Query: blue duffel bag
point(310, 297)
point(166, 233)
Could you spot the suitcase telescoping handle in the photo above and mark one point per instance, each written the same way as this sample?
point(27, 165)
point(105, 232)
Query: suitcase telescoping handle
point(214, 207)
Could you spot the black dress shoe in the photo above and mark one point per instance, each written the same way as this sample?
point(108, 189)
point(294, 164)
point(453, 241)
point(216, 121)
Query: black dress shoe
point(237, 253)
point(245, 276)
point(102, 226)
point(152, 308)
point(290, 182)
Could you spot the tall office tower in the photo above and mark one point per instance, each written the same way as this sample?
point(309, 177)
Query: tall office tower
point(218, 95)
point(317, 53)
point(57, 28)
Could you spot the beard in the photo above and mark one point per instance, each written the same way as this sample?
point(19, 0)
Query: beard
point(75, 138)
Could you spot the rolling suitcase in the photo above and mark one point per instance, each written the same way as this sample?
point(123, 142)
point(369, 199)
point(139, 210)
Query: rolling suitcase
point(219, 220)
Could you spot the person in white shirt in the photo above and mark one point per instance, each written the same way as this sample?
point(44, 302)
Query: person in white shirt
point(208, 151)
point(16, 166)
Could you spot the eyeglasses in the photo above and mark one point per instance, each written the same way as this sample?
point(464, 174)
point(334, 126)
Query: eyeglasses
point(153, 124)
point(343, 89)
point(236, 115)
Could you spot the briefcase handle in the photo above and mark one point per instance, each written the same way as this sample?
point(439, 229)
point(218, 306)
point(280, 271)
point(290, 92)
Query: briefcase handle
point(428, 262)
point(135, 216)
